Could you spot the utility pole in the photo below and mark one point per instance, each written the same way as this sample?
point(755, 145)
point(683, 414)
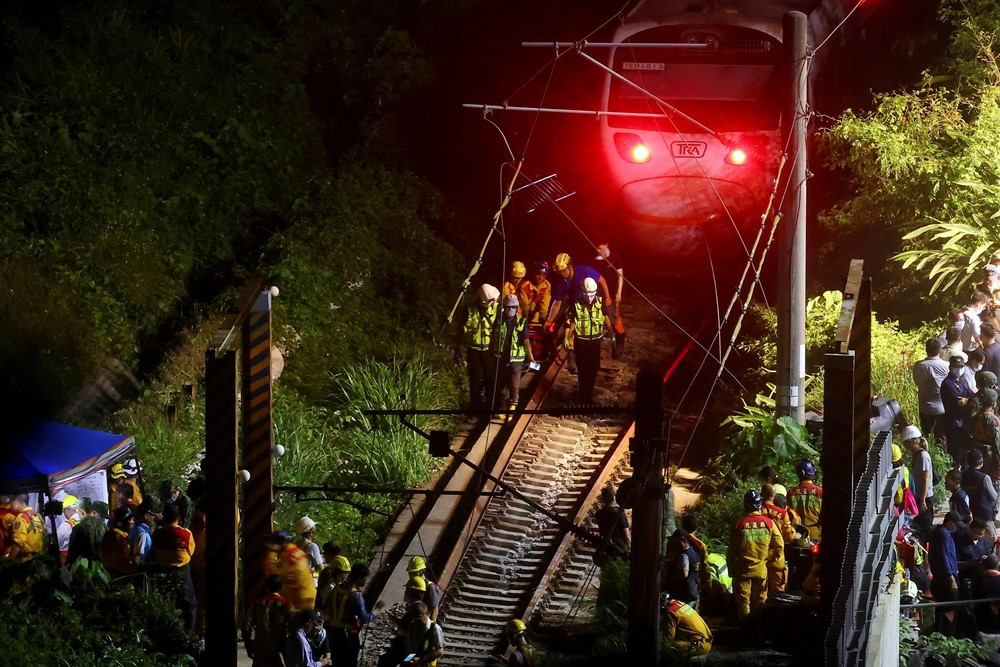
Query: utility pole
point(649, 461)
point(792, 235)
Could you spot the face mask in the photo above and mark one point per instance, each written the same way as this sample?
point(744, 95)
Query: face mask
point(956, 372)
point(589, 298)
point(510, 312)
point(959, 325)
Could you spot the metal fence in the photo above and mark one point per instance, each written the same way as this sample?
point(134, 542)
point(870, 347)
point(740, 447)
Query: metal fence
point(868, 559)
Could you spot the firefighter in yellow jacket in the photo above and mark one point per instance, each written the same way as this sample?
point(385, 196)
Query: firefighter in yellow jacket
point(686, 627)
point(777, 570)
point(27, 531)
point(756, 541)
point(806, 498)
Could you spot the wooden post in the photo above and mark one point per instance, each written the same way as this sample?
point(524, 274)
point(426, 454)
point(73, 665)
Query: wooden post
point(258, 492)
point(221, 435)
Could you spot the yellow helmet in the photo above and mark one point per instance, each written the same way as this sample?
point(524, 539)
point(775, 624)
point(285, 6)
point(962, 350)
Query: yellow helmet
point(340, 564)
point(70, 501)
point(517, 270)
point(417, 563)
point(897, 453)
point(416, 583)
point(562, 261)
point(515, 626)
point(118, 471)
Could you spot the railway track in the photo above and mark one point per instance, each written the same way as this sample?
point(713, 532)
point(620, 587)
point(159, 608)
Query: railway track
point(504, 557)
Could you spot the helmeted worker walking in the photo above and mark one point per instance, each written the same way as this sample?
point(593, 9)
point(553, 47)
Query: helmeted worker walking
point(477, 336)
point(516, 281)
point(536, 295)
point(589, 324)
point(777, 570)
point(756, 541)
point(512, 349)
point(806, 498)
point(567, 286)
point(27, 530)
point(519, 652)
point(611, 267)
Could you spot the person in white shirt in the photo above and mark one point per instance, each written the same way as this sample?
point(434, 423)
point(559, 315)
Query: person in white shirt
point(970, 332)
point(928, 375)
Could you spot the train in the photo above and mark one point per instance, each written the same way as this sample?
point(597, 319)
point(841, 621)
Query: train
point(707, 169)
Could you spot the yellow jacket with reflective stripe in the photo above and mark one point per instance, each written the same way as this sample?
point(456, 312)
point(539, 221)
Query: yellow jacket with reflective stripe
point(516, 343)
point(29, 532)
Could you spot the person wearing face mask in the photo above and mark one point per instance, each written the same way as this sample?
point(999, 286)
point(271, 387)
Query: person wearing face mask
point(951, 339)
point(589, 324)
point(928, 375)
point(476, 338)
point(511, 348)
point(970, 332)
point(955, 396)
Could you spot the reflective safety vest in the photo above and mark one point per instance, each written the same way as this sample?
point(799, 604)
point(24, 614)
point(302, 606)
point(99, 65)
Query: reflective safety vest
point(589, 320)
point(719, 570)
point(516, 343)
point(479, 326)
point(901, 489)
point(338, 608)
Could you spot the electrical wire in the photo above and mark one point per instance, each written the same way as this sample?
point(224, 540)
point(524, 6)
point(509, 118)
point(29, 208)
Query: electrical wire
point(839, 25)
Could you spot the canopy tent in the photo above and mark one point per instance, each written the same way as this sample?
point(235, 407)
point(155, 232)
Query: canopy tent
point(49, 456)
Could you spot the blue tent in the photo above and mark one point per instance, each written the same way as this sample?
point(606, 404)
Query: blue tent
point(48, 456)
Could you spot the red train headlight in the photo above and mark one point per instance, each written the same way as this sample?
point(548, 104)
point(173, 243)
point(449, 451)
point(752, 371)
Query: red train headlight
point(737, 157)
point(631, 148)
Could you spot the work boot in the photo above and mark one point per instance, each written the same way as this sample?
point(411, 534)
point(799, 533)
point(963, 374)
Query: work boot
point(618, 349)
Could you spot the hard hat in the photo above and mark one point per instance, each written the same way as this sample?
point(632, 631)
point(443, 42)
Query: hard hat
point(510, 301)
point(897, 453)
point(589, 287)
point(910, 432)
point(752, 500)
point(416, 564)
point(304, 525)
point(562, 261)
point(70, 501)
point(340, 564)
point(542, 268)
point(517, 270)
point(131, 467)
point(117, 471)
point(779, 489)
point(416, 583)
point(515, 626)
point(488, 293)
point(805, 469)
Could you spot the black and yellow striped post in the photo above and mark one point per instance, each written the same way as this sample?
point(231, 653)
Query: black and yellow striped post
point(220, 466)
point(258, 492)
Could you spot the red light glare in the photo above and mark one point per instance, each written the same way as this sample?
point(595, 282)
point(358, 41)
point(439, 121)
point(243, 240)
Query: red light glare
point(815, 549)
point(640, 153)
point(737, 156)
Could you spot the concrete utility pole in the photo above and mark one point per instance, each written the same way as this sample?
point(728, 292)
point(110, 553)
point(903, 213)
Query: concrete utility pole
point(792, 235)
point(649, 461)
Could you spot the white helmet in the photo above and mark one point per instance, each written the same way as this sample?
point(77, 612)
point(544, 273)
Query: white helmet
point(589, 287)
point(510, 301)
point(304, 525)
point(488, 293)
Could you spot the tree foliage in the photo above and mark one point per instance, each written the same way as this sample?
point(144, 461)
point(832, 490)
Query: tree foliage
point(925, 163)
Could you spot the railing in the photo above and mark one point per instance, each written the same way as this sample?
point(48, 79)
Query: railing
point(868, 558)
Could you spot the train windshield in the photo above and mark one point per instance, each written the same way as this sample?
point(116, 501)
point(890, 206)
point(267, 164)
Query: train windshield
point(732, 86)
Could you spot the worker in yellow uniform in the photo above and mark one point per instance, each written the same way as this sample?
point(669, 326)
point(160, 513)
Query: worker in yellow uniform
point(514, 284)
point(292, 563)
point(519, 652)
point(511, 347)
point(27, 531)
point(173, 546)
point(777, 570)
point(6, 524)
point(685, 626)
point(806, 498)
point(536, 295)
point(481, 322)
point(124, 473)
point(756, 541)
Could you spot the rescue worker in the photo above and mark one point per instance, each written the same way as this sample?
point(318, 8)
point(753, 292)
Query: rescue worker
point(612, 269)
point(173, 546)
point(777, 570)
point(116, 552)
point(718, 571)
point(536, 295)
point(292, 564)
point(515, 283)
point(6, 524)
point(123, 474)
point(71, 516)
point(806, 498)
point(688, 630)
point(682, 569)
point(756, 541)
point(417, 568)
point(349, 616)
point(589, 324)
point(27, 530)
point(305, 529)
point(519, 652)
point(511, 348)
point(477, 336)
point(332, 576)
point(689, 522)
point(897, 462)
point(567, 285)
point(266, 625)
point(85, 540)
point(423, 639)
